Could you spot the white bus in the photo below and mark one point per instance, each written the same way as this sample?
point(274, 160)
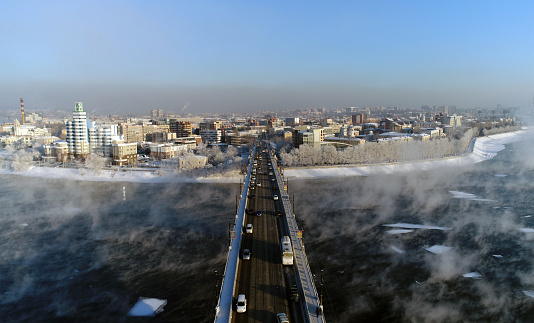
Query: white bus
point(287, 251)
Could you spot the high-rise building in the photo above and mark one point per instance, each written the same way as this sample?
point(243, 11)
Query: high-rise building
point(77, 135)
point(183, 129)
point(358, 119)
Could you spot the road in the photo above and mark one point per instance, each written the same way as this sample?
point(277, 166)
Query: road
point(263, 278)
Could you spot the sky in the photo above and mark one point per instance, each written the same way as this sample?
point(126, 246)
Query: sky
point(232, 56)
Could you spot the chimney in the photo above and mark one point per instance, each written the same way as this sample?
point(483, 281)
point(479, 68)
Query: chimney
point(22, 110)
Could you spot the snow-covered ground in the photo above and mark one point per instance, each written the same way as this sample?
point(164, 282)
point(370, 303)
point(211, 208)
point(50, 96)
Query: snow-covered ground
point(485, 148)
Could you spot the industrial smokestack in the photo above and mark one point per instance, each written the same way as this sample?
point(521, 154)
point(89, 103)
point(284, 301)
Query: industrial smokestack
point(22, 110)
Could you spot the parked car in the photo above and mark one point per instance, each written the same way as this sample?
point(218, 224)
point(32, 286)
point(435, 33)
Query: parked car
point(246, 254)
point(249, 228)
point(258, 213)
point(275, 197)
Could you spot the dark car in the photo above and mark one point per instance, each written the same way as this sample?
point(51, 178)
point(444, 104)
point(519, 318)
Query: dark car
point(279, 213)
point(275, 188)
point(258, 213)
point(250, 211)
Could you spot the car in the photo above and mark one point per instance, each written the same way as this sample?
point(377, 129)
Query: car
point(259, 184)
point(252, 196)
point(246, 254)
point(279, 213)
point(275, 197)
point(241, 303)
point(275, 188)
point(249, 228)
point(282, 318)
point(273, 179)
point(252, 186)
point(258, 213)
point(271, 173)
point(250, 211)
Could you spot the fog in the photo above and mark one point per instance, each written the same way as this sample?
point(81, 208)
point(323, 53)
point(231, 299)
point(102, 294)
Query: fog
point(85, 251)
point(372, 275)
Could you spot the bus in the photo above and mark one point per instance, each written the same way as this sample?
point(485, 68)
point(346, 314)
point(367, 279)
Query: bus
point(287, 251)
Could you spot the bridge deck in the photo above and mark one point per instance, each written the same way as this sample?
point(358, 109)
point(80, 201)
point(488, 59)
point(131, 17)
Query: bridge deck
point(264, 281)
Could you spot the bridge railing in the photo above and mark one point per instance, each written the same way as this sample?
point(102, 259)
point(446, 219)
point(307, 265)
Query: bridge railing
point(223, 311)
point(311, 303)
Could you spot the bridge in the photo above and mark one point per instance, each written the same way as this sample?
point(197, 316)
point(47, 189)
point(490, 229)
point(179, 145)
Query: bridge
point(269, 286)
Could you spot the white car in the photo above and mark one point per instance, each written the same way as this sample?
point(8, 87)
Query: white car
point(282, 318)
point(259, 184)
point(249, 228)
point(246, 254)
point(241, 303)
point(275, 197)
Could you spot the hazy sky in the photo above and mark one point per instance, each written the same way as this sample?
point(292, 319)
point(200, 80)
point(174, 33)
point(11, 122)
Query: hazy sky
point(132, 56)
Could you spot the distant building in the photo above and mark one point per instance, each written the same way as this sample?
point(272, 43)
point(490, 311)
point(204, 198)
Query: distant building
point(358, 119)
point(77, 135)
point(124, 153)
point(212, 136)
point(182, 128)
point(192, 161)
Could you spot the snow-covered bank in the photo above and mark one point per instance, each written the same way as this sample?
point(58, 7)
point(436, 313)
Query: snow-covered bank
point(160, 176)
point(485, 148)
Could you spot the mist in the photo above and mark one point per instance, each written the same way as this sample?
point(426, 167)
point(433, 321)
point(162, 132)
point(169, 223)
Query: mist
point(85, 251)
point(371, 275)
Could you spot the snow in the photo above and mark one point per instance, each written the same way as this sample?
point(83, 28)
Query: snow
point(474, 274)
point(415, 226)
point(398, 231)
point(485, 148)
point(397, 250)
point(147, 307)
point(468, 196)
point(124, 175)
point(497, 256)
point(527, 230)
point(500, 175)
point(437, 249)
point(529, 293)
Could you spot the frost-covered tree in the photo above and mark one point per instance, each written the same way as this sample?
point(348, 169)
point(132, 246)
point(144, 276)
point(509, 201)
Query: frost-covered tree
point(95, 162)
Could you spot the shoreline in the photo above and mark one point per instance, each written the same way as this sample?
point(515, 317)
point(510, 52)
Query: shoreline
point(485, 148)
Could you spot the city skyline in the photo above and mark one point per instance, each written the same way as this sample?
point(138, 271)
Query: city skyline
point(213, 57)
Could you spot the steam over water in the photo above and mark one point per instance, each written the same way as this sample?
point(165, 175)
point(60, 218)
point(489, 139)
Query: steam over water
point(78, 251)
point(372, 273)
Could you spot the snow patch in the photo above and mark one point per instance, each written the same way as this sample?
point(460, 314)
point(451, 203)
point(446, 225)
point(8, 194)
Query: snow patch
point(529, 293)
point(415, 226)
point(398, 231)
point(527, 230)
point(474, 274)
point(437, 249)
point(147, 307)
point(397, 250)
point(497, 256)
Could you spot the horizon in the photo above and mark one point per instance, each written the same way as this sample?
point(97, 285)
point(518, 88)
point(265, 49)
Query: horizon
point(210, 57)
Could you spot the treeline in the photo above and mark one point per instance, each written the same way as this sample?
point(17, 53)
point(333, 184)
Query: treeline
point(391, 151)
point(379, 152)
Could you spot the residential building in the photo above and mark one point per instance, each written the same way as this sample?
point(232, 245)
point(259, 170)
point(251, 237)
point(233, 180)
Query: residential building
point(77, 135)
point(123, 153)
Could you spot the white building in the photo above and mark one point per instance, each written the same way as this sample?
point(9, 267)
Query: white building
point(212, 136)
point(77, 135)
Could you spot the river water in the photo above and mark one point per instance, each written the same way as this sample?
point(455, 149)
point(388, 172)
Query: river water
point(86, 251)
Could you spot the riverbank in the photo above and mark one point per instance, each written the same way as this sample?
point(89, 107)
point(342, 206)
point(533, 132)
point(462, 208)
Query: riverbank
point(484, 148)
